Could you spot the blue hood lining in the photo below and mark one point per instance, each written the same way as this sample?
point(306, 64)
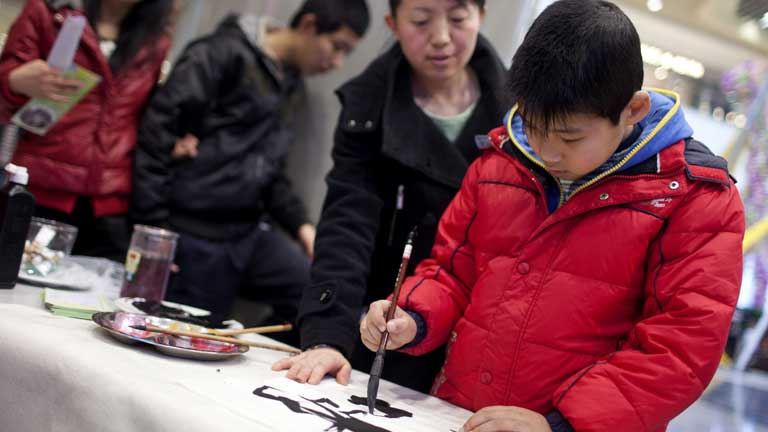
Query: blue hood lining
point(659, 130)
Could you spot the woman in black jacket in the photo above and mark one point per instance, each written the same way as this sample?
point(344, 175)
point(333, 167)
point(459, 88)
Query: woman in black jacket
point(405, 138)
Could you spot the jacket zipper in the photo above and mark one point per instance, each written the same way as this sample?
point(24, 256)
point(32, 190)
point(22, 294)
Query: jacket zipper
point(537, 184)
point(398, 208)
point(604, 180)
point(601, 181)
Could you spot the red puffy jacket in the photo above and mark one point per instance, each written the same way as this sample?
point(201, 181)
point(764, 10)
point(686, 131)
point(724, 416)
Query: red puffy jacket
point(614, 309)
point(89, 151)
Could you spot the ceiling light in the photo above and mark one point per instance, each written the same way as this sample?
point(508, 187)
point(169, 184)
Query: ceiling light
point(764, 21)
point(671, 62)
point(750, 31)
point(654, 5)
point(718, 113)
point(740, 121)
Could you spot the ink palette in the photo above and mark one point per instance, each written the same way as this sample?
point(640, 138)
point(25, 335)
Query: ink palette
point(119, 325)
point(174, 311)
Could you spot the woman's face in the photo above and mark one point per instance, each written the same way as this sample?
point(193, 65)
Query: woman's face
point(438, 37)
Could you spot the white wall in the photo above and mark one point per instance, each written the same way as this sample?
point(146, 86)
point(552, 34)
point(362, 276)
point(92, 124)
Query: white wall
point(9, 9)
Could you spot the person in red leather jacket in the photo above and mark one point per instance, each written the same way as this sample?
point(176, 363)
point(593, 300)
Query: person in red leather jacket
point(80, 171)
point(586, 273)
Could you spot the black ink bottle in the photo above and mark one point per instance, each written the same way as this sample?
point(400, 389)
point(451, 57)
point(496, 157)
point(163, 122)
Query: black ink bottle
point(16, 207)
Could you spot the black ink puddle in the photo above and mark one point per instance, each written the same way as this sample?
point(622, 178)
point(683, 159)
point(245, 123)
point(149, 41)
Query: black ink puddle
point(324, 408)
point(382, 406)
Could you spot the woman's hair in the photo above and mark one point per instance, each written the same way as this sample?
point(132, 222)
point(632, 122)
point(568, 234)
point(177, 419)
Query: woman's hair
point(144, 24)
point(393, 4)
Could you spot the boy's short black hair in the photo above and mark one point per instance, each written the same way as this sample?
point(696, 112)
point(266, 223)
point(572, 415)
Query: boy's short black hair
point(333, 14)
point(579, 56)
point(393, 4)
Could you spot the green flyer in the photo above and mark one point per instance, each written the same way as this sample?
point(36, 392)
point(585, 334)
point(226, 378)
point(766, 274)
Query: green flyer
point(39, 115)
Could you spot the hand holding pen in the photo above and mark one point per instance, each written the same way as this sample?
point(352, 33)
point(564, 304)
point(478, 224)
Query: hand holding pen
point(402, 328)
point(386, 319)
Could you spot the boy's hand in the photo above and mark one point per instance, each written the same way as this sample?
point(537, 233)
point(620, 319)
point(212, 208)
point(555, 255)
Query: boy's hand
point(402, 328)
point(36, 79)
point(311, 366)
point(185, 147)
point(506, 419)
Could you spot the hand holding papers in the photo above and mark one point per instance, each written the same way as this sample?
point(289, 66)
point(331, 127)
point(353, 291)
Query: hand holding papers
point(40, 114)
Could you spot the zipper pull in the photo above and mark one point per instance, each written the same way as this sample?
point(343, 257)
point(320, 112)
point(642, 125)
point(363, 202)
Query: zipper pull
point(399, 203)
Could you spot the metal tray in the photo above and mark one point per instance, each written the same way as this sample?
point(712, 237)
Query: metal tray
point(118, 325)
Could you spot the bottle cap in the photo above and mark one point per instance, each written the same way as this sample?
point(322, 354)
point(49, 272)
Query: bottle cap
point(17, 174)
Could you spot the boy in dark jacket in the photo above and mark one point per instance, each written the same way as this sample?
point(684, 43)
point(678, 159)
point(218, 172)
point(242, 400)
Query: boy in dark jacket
point(586, 273)
point(212, 149)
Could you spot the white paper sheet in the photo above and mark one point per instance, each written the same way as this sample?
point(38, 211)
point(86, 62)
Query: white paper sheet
point(428, 414)
point(60, 374)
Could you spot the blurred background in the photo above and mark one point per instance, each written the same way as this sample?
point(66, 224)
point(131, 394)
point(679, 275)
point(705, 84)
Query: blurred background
point(713, 52)
point(688, 44)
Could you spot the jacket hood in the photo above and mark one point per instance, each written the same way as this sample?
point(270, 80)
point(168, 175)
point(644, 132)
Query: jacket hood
point(254, 27)
point(664, 125)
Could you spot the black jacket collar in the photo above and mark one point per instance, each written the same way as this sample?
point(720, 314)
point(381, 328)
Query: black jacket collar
point(284, 76)
point(412, 138)
point(380, 99)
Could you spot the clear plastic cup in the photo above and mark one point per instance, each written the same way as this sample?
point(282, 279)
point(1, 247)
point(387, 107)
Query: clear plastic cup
point(51, 234)
point(48, 241)
point(148, 262)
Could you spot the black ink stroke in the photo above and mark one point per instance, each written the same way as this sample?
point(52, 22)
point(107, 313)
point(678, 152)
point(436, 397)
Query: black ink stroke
point(383, 406)
point(340, 421)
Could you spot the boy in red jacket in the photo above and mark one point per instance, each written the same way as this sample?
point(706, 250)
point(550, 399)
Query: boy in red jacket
point(585, 275)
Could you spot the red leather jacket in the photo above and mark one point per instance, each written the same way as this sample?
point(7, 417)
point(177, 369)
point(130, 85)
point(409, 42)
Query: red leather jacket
point(90, 150)
point(614, 309)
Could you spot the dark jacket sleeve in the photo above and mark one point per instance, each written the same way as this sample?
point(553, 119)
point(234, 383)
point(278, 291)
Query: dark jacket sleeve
point(173, 111)
point(284, 206)
point(280, 200)
point(330, 308)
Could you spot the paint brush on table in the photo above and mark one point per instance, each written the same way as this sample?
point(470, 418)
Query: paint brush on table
point(378, 362)
point(257, 330)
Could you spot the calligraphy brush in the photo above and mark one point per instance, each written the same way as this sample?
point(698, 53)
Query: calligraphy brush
point(378, 362)
point(258, 330)
point(156, 329)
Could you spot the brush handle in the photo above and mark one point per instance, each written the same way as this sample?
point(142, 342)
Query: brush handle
point(383, 344)
point(155, 329)
point(256, 330)
point(401, 275)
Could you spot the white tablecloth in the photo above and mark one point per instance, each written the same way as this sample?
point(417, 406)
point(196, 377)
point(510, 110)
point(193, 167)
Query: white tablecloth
point(63, 374)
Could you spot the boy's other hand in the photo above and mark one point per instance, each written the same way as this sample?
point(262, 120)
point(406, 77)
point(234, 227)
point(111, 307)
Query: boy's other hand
point(312, 365)
point(306, 235)
point(185, 147)
point(506, 419)
point(402, 328)
point(36, 79)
